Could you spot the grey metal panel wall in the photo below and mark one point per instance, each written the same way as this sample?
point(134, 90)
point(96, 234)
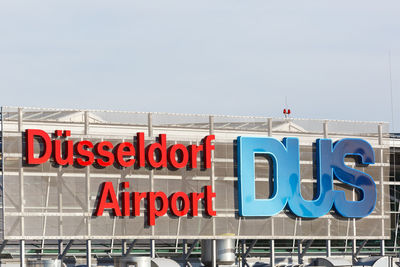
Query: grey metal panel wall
point(52, 202)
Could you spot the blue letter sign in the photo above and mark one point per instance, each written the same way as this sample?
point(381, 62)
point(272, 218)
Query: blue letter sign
point(286, 166)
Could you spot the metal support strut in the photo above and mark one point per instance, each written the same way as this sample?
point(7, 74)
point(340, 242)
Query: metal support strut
point(190, 250)
point(248, 252)
point(129, 249)
point(64, 253)
point(3, 245)
point(303, 250)
point(360, 248)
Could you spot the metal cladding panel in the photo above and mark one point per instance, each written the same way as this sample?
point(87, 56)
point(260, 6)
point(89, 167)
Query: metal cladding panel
point(47, 201)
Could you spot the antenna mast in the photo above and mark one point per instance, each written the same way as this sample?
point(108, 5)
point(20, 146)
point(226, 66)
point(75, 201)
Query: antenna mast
point(286, 110)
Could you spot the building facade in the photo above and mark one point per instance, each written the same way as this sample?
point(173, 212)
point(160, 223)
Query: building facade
point(102, 183)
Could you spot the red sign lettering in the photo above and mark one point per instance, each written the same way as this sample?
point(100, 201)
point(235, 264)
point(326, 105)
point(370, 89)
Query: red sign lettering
point(126, 154)
point(108, 200)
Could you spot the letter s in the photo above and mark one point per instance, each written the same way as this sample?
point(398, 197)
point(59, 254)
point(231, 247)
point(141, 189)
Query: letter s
point(360, 180)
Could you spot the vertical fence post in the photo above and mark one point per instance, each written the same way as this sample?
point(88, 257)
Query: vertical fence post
point(328, 248)
point(353, 250)
point(152, 248)
point(89, 253)
point(325, 129)
point(269, 126)
point(214, 242)
point(299, 252)
point(86, 122)
point(382, 247)
point(22, 253)
point(272, 253)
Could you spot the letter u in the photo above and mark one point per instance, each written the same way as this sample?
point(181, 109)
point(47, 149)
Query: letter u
point(323, 201)
point(65, 157)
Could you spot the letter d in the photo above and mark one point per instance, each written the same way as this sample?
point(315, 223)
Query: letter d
point(247, 147)
point(30, 135)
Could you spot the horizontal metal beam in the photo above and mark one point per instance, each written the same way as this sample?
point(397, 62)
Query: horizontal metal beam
point(173, 237)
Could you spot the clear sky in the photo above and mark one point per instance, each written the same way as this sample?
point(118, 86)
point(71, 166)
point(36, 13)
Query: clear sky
point(330, 58)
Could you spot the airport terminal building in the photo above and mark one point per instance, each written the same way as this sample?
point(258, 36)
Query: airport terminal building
point(105, 188)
